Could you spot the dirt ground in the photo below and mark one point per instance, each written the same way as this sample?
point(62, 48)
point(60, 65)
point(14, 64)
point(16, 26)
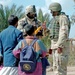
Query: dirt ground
point(70, 71)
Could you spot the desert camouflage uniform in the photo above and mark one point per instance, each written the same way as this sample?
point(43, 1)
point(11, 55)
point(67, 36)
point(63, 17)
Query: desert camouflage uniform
point(26, 20)
point(59, 32)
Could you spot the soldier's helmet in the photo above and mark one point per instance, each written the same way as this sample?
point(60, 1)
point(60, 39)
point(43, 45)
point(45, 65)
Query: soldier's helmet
point(30, 9)
point(55, 7)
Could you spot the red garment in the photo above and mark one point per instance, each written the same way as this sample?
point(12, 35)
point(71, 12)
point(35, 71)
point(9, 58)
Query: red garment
point(1, 67)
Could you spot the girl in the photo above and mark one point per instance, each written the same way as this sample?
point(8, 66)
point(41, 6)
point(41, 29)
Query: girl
point(38, 46)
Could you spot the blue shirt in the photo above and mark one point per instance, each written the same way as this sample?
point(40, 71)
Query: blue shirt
point(9, 38)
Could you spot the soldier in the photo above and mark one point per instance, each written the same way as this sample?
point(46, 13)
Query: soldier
point(59, 32)
point(30, 18)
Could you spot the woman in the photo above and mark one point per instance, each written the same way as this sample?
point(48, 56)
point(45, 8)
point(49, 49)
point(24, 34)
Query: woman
point(38, 46)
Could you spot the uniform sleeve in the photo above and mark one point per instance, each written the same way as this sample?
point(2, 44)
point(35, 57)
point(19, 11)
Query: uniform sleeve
point(39, 23)
point(63, 31)
point(17, 50)
point(20, 25)
point(43, 48)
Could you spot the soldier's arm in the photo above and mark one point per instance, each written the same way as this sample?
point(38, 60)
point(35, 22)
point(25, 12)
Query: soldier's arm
point(39, 23)
point(20, 24)
point(63, 31)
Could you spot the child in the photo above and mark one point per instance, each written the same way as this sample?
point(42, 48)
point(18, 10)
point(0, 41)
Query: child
point(38, 46)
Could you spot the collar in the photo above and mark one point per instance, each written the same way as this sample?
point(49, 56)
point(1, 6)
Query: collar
point(31, 37)
point(11, 26)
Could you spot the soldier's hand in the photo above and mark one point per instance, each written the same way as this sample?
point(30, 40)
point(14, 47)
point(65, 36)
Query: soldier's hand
point(50, 51)
point(59, 50)
point(44, 25)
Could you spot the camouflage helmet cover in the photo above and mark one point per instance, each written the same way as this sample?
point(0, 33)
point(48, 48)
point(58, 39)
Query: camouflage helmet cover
point(55, 7)
point(30, 9)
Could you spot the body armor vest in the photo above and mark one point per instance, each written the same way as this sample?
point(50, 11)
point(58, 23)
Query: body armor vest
point(54, 28)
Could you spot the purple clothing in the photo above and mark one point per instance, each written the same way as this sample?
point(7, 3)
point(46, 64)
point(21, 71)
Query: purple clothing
point(1, 66)
point(38, 70)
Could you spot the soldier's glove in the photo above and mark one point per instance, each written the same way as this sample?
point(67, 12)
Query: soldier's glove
point(59, 49)
point(50, 51)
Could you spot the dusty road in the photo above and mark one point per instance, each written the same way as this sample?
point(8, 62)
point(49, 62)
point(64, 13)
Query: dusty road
point(71, 71)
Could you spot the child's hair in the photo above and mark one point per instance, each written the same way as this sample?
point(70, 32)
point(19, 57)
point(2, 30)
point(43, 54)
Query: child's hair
point(29, 29)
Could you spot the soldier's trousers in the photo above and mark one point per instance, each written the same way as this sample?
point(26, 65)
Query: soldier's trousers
point(59, 63)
